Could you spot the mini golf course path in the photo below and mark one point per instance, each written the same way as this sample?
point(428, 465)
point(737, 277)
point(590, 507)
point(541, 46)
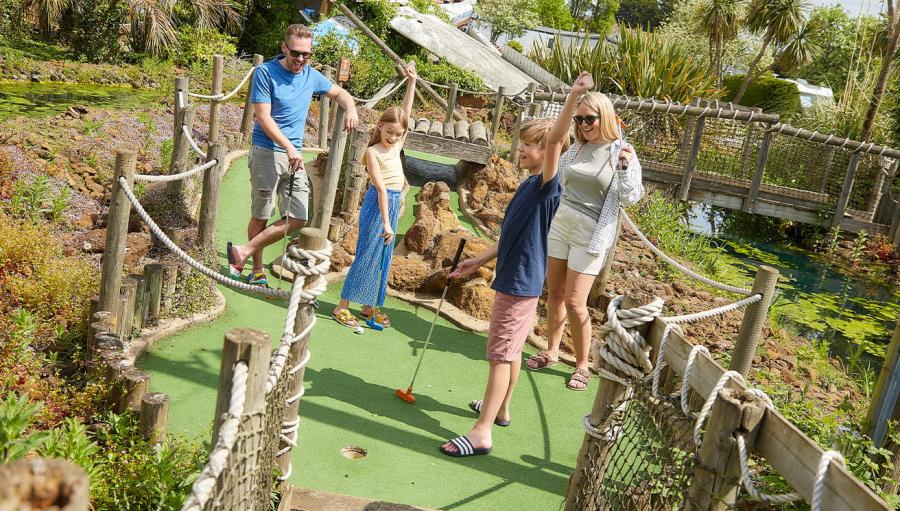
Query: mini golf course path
point(350, 400)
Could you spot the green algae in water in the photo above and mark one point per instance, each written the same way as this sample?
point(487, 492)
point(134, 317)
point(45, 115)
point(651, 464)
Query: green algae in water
point(43, 99)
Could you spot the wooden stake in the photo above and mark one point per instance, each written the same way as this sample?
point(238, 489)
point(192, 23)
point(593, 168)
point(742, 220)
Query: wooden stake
point(253, 348)
point(153, 275)
point(754, 318)
point(181, 88)
point(325, 113)
point(247, 117)
point(691, 164)
point(218, 65)
point(847, 187)
point(154, 417)
point(182, 153)
point(332, 172)
point(134, 386)
point(309, 239)
point(169, 281)
point(128, 298)
point(750, 202)
point(209, 200)
point(451, 103)
point(884, 405)
point(116, 232)
point(499, 99)
point(140, 303)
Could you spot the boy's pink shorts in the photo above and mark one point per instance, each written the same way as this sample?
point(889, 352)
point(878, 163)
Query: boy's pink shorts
point(511, 319)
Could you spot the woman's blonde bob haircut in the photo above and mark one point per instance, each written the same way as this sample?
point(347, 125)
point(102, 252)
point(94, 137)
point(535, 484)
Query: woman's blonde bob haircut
point(609, 126)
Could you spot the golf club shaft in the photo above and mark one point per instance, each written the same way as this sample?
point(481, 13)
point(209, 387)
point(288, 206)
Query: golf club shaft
point(287, 219)
point(428, 337)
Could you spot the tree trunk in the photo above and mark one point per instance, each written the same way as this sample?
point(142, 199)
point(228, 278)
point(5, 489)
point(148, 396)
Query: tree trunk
point(749, 76)
point(886, 62)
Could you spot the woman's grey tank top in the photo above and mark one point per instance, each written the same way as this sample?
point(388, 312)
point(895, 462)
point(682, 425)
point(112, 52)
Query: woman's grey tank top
point(586, 180)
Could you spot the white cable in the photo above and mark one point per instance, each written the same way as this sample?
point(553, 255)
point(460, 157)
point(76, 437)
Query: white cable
point(660, 357)
point(175, 177)
point(203, 487)
point(180, 99)
point(376, 98)
point(819, 484)
point(683, 269)
point(724, 309)
point(190, 138)
point(224, 97)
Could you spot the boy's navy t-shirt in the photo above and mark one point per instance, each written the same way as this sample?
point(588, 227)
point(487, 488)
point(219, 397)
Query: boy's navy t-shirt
point(290, 95)
point(522, 249)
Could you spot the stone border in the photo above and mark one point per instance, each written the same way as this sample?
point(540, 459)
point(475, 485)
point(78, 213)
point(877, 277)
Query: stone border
point(136, 347)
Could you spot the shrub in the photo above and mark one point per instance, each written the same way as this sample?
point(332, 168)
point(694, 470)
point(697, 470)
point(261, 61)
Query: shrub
point(508, 17)
point(16, 418)
point(766, 92)
point(445, 73)
point(265, 25)
point(370, 67)
point(200, 44)
point(515, 45)
point(554, 14)
point(95, 29)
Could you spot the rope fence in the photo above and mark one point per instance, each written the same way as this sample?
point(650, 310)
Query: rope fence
point(223, 97)
point(150, 178)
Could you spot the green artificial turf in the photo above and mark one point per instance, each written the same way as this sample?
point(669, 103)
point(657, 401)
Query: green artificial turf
point(350, 401)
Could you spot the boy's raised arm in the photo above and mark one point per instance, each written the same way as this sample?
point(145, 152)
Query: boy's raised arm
point(560, 131)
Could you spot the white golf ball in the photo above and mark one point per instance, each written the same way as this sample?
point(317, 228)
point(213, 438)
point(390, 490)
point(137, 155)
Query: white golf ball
point(358, 330)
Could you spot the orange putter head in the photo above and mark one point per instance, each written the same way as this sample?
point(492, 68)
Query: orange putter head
point(406, 395)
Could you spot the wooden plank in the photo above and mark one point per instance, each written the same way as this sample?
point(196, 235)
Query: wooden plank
point(847, 187)
point(856, 226)
point(448, 147)
point(791, 453)
point(691, 163)
point(750, 203)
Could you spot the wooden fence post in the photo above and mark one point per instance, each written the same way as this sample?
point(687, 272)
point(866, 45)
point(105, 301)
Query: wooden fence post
point(750, 201)
point(154, 419)
point(128, 296)
point(498, 112)
point(332, 172)
point(218, 66)
point(885, 405)
point(753, 320)
point(514, 138)
point(181, 90)
point(451, 102)
point(140, 303)
point(599, 286)
point(714, 485)
point(325, 114)
point(209, 199)
point(247, 117)
point(354, 170)
point(36, 484)
point(609, 395)
point(116, 232)
point(169, 282)
point(691, 163)
point(253, 348)
point(153, 274)
point(182, 152)
point(309, 239)
point(134, 386)
point(846, 188)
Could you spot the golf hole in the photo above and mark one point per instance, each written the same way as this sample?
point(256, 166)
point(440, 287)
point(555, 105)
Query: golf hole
point(353, 452)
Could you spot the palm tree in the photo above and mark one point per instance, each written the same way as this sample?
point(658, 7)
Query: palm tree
point(889, 52)
point(778, 20)
point(720, 20)
point(799, 50)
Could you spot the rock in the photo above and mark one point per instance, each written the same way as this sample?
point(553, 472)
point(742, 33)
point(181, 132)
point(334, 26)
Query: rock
point(479, 192)
point(136, 247)
point(474, 297)
point(35, 76)
point(349, 241)
point(95, 240)
point(420, 237)
point(445, 246)
point(340, 259)
point(85, 221)
point(408, 274)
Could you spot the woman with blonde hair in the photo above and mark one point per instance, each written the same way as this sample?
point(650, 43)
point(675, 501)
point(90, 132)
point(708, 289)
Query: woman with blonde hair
point(599, 173)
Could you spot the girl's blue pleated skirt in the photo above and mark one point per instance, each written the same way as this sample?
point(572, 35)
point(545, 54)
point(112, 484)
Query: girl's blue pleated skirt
point(366, 282)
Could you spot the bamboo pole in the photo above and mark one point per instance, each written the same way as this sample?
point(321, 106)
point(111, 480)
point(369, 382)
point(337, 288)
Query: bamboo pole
point(218, 66)
point(753, 320)
point(209, 199)
point(247, 117)
point(116, 232)
point(309, 239)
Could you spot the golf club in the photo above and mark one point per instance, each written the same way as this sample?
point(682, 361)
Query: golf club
point(407, 395)
point(287, 218)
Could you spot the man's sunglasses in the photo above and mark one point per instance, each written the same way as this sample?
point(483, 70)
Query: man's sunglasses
point(586, 119)
point(298, 54)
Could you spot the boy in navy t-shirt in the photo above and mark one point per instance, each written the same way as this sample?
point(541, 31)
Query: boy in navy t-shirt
point(519, 277)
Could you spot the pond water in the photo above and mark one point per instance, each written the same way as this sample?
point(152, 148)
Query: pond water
point(854, 316)
point(39, 99)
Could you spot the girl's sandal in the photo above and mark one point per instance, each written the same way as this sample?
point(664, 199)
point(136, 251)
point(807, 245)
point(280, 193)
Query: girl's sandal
point(345, 317)
point(579, 380)
point(379, 317)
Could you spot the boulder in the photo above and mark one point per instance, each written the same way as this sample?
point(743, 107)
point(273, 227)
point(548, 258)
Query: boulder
point(408, 274)
point(474, 297)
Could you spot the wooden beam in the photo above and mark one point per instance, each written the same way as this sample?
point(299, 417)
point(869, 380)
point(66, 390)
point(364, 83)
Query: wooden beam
point(750, 203)
point(847, 187)
point(691, 163)
point(791, 453)
point(448, 147)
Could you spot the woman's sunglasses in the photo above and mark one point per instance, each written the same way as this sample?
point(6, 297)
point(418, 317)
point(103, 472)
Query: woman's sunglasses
point(586, 119)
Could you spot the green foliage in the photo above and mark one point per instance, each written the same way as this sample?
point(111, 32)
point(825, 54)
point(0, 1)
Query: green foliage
point(766, 92)
point(444, 73)
point(515, 45)
point(370, 67)
point(200, 44)
point(602, 16)
point(94, 28)
point(265, 25)
point(35, 200)
point(71, 442)
point(642, 64)
point(661, 219)
point(11, 27)
point(16, 418)
point(646, 14)
point(510, 17)
point(554, 14)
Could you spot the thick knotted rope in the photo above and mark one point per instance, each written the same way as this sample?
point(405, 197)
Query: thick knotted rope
point(203, 487)
point(622, 347)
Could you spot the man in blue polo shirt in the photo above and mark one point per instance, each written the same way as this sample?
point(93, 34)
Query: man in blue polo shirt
point(281, 93)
